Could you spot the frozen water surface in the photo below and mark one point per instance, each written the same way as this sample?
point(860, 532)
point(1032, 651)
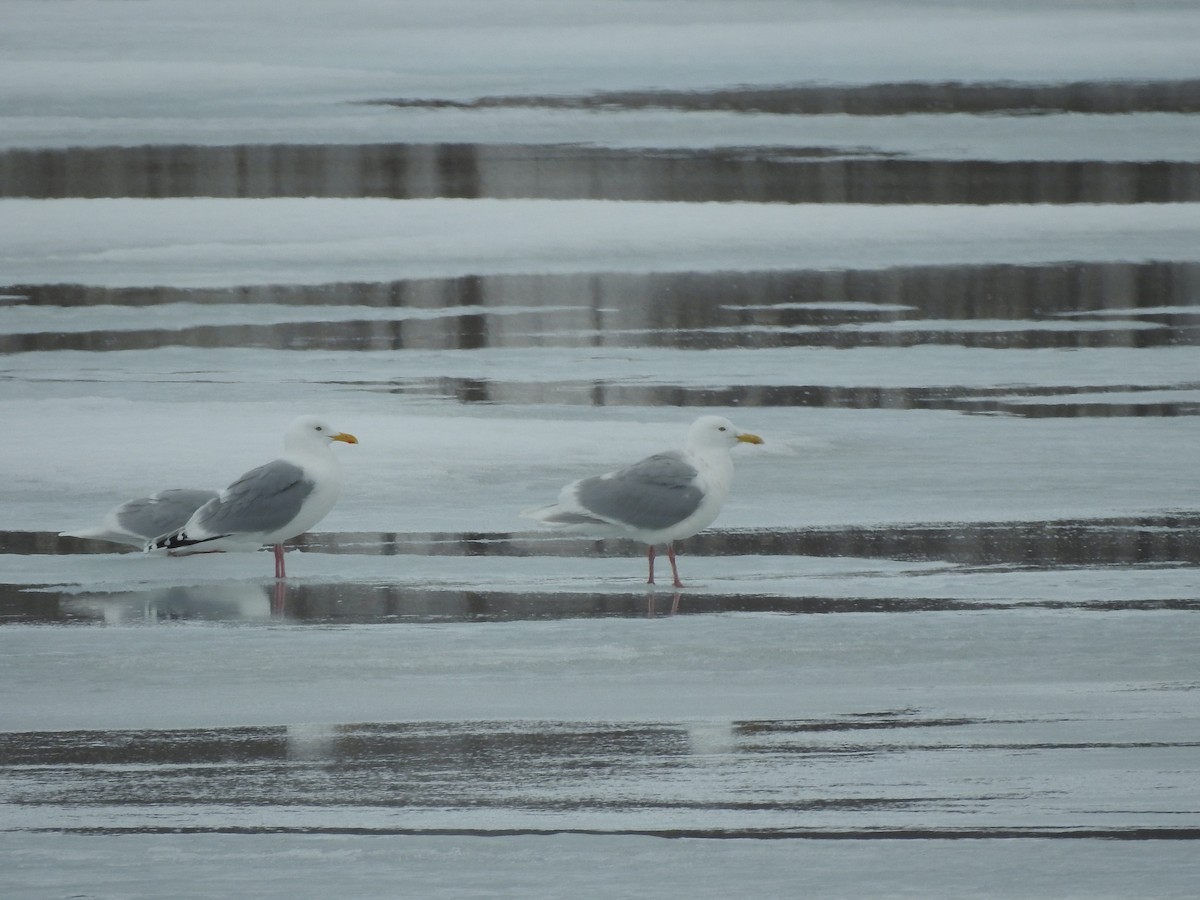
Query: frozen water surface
point(942, 256)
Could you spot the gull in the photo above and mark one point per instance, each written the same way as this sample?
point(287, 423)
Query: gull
point(659, 500)
point(270, 504)
point(137, 521)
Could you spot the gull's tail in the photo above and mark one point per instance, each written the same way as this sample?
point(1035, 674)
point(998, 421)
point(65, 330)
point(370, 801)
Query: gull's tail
point(177, 540)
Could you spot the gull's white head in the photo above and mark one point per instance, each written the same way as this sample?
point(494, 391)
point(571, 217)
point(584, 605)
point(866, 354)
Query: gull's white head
point(313, 431)
point(708, 432)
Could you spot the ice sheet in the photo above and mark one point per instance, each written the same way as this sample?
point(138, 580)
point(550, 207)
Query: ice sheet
point(218, 243)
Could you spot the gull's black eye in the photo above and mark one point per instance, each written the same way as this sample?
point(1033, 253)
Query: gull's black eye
point(721, 428)
point(319, 428)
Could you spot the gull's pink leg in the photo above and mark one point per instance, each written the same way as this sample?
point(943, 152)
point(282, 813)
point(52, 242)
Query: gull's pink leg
point(650, 557)
point(674, 569)
point(279, 570)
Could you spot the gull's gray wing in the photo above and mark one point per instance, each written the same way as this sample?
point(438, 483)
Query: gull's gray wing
point(148, 517)
point(655, 493)
point(262, 500)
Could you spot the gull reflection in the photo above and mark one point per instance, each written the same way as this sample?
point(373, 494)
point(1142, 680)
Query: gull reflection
point(279, 592)
point(653, 604)
point(709, 739)
point(311, 742)
point(217, 601)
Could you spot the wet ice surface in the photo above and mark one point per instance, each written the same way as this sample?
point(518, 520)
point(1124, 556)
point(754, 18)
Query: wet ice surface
point(941, 640)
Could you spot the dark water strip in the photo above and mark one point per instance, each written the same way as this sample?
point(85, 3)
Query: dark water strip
point(540, 766)
point(369, 603)
point(428, 740)
point(982, 401)
point(469, 332)
point(1070, 305)
point(759, 834)
point(682, 300)
point(450, 746)
point(569, 172)
point(884, 99)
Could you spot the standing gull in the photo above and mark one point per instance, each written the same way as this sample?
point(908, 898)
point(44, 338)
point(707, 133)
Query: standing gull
point(662, 499)
point(272, 503)
point(137, 521)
